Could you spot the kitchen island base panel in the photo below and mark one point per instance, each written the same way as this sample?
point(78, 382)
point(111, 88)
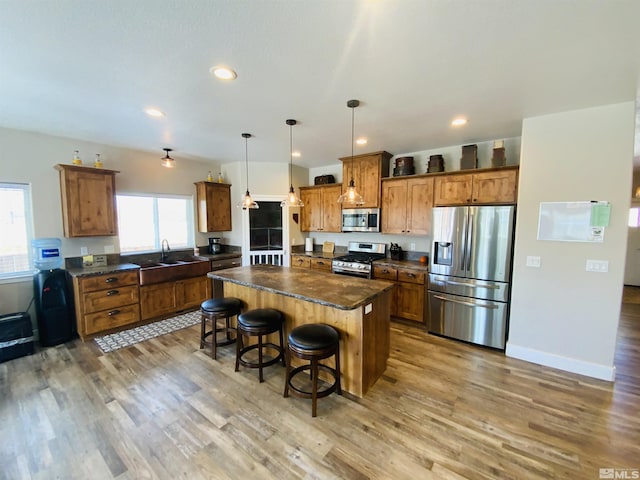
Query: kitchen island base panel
point(364, 331)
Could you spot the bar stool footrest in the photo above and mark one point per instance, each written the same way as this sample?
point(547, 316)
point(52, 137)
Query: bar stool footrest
point(272, 346)
point(320, 393)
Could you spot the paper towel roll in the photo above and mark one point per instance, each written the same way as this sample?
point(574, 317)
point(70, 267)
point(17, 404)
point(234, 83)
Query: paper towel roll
point(308, 245)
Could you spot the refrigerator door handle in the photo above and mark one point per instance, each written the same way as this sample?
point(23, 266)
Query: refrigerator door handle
point(472, 285)
point(469, 304)
point(469, 240)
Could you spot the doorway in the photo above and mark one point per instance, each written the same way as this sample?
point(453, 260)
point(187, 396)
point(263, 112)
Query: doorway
point(265, 233)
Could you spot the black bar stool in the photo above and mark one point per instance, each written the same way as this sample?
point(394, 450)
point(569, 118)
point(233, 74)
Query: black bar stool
point(216, 309)
point(257, 323)
point(313, 342)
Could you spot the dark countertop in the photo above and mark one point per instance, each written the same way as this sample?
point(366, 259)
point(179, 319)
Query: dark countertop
point(318, 254)
point(90, 271)
point(337, 291)
point(219, 256)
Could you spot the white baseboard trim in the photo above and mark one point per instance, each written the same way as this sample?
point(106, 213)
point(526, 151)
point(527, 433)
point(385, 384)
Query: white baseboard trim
point(573, 365)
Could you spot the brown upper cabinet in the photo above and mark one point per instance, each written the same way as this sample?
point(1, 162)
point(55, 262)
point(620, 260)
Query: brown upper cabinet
point(492, 186)
point(368, 170)
point(321, 211)
point(88, 201)
point(214, 206)
point(406, 205)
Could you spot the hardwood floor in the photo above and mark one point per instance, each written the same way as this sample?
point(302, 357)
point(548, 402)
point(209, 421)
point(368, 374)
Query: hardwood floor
point(443, 410)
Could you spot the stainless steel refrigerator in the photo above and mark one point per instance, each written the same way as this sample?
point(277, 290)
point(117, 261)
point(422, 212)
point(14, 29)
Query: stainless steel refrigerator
point(470, 273)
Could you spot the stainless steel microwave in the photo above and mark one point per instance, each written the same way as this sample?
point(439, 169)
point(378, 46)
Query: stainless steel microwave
point(361, 220)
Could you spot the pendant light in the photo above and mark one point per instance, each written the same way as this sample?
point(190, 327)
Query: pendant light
point(167, 161)
point(351, 196)
point(247, 202)
point(292, 199)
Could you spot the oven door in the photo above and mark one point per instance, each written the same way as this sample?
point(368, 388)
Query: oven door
point(351, 273)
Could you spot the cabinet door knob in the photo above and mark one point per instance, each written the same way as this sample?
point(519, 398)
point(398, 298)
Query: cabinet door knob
point(111, 279)
point(112, 292)
point(113, 312)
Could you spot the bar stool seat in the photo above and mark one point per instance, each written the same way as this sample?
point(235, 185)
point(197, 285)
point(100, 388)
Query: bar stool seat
point(313, 342)
point(258, 323)
point(215, 309)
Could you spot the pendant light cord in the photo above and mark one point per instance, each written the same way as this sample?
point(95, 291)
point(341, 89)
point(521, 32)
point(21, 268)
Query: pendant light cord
point(290, 154)
point(246, 160)
point(352, 135)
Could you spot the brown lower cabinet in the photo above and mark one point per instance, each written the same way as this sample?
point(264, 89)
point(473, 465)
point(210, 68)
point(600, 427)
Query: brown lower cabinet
point(408, 300)
point(316, 263)
point(106, 302)
point(171, 297)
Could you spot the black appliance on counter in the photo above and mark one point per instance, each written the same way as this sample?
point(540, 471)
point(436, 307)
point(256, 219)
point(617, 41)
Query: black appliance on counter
point(53, 307)
point(359, 260)
point(215, 246)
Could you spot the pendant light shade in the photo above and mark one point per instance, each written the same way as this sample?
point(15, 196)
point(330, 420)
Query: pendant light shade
point(247, 202)
point(351, 196)
point(292, 199)
point(167, 161)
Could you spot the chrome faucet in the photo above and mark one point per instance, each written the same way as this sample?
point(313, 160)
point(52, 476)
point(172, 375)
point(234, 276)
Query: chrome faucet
point(164, 254)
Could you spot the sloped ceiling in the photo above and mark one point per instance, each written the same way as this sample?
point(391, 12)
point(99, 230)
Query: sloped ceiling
point(87, 69)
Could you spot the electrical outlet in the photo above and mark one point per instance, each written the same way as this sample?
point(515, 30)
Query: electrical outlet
point(599, 266)
point(533, 261)
point(412, 247)
point(84, 251)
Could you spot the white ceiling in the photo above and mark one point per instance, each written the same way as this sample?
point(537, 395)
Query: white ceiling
point(87, 68)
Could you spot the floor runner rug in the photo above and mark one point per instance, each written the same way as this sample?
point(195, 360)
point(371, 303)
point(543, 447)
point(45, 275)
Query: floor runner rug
point(126, 338)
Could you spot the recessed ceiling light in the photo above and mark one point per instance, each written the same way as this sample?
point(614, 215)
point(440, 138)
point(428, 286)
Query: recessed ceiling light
point(361, 141)
point(223, 73)
point(295, 154)
point(458, 122)
point(154, 112)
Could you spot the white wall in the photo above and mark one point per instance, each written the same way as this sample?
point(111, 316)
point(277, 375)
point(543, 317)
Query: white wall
point(561, 315)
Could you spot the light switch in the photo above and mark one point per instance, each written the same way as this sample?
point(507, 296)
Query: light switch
point(368, 308)
point(533, 261)
point(600, 266)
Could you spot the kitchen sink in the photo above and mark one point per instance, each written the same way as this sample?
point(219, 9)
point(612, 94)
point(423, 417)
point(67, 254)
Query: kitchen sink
point(169, 270)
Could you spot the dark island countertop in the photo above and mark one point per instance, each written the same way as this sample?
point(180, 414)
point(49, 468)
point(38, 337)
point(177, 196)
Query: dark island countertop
point(337, 291)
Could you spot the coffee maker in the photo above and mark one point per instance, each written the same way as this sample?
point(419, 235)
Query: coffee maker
point(214, 245)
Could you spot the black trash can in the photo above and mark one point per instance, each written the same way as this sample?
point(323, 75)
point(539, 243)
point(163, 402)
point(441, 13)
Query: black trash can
point(53, 307)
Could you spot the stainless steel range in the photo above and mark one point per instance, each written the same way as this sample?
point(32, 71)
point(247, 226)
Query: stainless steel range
point(359, 259)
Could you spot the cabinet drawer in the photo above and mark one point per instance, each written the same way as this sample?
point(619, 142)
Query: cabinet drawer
point(411, 276)
point(321, 264)
point(109, 299)
point(385, 273)
point(300, 261)
point(226, 263)
point(108, 319)
point(100, 282)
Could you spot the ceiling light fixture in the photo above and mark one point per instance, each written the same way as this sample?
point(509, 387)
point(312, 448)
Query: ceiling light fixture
point(247, 202)
point(351, 196)
point(154, 112)
point(361, 141)
point(458, 122)
point(292, 199)
point(167, 161)
point(223, 73)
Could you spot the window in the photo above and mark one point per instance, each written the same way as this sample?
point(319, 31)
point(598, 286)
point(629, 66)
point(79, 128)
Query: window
point(144, 221)
point(634, 217)
point(16, 228)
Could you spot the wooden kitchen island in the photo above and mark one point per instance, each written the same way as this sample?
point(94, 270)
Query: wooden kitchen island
point(356, 307)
